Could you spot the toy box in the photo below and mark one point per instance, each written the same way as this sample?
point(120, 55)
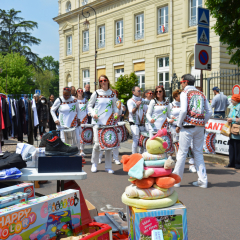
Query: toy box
point(12, 199)
point(50, 217)
point(24, 187)
point(172, 221)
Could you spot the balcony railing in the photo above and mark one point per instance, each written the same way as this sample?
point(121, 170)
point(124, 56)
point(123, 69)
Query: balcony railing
point(139, 35)
point(118, 40)
point(84, 2)
point(85, 48)
point(163, 29)
point(192, 21)
point(69, 52)
point(101, 44)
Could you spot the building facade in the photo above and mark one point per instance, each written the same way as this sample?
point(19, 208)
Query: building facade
point(153, 38)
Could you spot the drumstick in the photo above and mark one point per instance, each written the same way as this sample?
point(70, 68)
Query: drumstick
point(164, 111)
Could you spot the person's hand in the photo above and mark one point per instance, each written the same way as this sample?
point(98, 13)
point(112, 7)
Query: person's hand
point(115, 115)
point(78, 122)
point(124, 108)
point(177, 129)
point(152, 121)
point(57, 122)
point(210, 101)
point(171, 121)
point(95, 116)
point(138, 103)
point(122, 115)
point(229, 120)
point(89, 114)
point(237, 120)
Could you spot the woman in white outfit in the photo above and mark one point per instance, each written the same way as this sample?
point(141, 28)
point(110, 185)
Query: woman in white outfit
point(101, 100)
point(158, 111)
point(148, 95)
point(69, 113)
point(83, 115)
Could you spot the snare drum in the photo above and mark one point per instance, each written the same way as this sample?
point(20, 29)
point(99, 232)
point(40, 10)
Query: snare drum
point(87, 134)
point(70, 136)
point(108, 137)
point(123, 131)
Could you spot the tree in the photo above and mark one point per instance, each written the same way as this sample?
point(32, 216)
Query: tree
point(124, 86)
point(227, 25)
point(18, 74)
point(15, 36)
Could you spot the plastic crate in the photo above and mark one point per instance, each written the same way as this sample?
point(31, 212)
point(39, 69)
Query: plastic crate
point(98, 231)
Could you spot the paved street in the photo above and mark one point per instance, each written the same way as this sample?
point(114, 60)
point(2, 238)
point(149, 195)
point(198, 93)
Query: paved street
point(213, 213)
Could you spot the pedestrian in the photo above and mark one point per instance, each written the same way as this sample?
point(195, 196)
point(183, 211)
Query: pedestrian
point(219, 103)
point(51, 124)
point(69, 113)
point(101, 100)
point(73, 91)
point(83, 116)
point(136, 117)
point(234, 142)
point(87, 95)
point(44, 116)
point(195, 111)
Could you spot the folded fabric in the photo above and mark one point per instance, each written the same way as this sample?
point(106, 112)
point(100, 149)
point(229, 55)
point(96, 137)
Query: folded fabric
point(133, 191)
point(159, 172)
point(157, 187)
point(26, 150)
point(155, 163)
point(11, 173)
point(137, 170)
point(148, 156)
point(11, 160)
point(150, 204)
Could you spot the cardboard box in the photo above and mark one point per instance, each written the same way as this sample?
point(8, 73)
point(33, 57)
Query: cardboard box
point(92, 209)
point(42, 218)
point(23, 187)
point(172, 221)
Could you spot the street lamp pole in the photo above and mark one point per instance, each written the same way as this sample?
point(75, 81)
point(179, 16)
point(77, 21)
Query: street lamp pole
point(87, 25)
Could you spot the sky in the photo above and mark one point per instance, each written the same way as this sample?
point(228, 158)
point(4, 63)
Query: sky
point(42, 12)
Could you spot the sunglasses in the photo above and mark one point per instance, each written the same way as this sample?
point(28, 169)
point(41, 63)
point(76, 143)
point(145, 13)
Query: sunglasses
point(79, 90)
point(139, 91)
point(158, 91)
point(105, 80)
point(67, 89)
point(183, 81)
point(150, 93)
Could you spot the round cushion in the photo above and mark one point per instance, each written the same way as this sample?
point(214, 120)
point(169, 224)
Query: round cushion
point(150, 204)
point(159, 172)
point(156, 163)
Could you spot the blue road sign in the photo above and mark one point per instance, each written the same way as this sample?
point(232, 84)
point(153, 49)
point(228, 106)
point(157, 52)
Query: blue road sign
point(203, 35)
point(203, 17)
point(38, 91)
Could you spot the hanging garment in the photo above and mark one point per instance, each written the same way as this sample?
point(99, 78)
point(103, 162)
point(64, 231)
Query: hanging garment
point(30, 123)
point(35, 114)
point(51, 123)
point(6, 118)
point(19, 105)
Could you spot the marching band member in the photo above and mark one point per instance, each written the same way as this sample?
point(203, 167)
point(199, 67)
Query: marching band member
point(69, 113)
point(83, 116)
point(158, 111)
point(101, 100)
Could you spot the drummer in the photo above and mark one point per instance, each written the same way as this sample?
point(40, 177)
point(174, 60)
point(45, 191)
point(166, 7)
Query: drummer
point(101, 100)
point(83, 115)
point(69, 113)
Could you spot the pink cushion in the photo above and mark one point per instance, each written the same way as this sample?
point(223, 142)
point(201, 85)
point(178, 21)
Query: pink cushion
point(159, 172)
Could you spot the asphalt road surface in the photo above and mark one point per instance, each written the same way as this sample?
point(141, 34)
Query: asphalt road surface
point(212, 213)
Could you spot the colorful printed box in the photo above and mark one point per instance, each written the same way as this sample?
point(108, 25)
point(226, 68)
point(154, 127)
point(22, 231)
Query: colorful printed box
point(12, 199)
point(42, 218)
point(172, 221)
point(24, 187)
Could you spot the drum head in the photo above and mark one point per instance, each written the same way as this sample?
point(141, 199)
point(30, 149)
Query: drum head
point(108, 138)
point(87, 135)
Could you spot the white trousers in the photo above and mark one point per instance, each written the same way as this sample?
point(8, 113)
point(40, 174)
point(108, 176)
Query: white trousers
point(185, 137)
point(115, 152)
point(96, 151)
point(63, 137)
point(135, 129)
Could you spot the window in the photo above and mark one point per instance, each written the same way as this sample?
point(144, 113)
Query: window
point(163, 73)
point(84, 2)
point(85, 41)
point(119, 32)
point(69, 45)
point(101, 38)
point(68, 7)
point(86, 77)
point(141, 79)
point(139, 27)
point(118, 73)
point(163, 20)
point(193, 5)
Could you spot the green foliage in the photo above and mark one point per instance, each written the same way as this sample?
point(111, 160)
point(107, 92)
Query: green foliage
point(124, 86)
point(17, 72)
point(15, 36)
point(227, 25)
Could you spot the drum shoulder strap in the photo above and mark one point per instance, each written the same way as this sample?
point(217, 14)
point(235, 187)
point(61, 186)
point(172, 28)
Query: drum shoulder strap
point(60, 100)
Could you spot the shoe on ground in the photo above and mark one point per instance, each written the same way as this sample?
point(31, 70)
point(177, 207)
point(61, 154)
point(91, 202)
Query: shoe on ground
point(109, 170)
point(200, 184)
point(94, 168)
point(177, 185)
point(117, 162)
point(55, 147)
point(45, 137)
point(192, 169)
point(82, 154)
point(229, 166)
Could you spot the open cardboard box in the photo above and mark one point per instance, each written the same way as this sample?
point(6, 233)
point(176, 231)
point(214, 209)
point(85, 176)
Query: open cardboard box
point(92, 209)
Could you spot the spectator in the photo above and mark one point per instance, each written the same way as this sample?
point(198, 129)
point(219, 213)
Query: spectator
point(234, 142)
point(219, 103)
point(44, 116)
point(51, 124)
point(87, 94)
point(73, 91)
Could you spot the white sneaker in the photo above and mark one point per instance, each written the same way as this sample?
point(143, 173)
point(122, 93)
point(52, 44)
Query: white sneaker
point(192, 169)
point(109, 170)
point(177, 185)
point(82, 154)
point(117, 162)
point(200, 184)
point(94, 168)
point(100, 161)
